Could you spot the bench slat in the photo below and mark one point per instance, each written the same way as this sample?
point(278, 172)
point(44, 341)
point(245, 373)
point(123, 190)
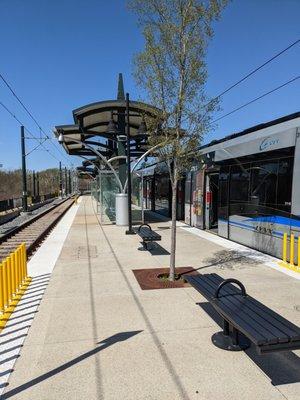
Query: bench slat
point(263, 324)
point(233, 317)
point(147, 234)
point(268, 315)
point(240, 304)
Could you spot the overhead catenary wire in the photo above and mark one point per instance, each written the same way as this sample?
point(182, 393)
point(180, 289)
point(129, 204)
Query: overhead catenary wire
point(8, 85)
point(255, 70)
point(256, 99)
point(13, 115)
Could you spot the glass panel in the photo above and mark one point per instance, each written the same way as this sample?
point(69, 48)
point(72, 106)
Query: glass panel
point(239, 183)
point(162, 194)
point(223, 193)
point(136, 197)
point(264, 183)
point(284, 185)
point(108, 188)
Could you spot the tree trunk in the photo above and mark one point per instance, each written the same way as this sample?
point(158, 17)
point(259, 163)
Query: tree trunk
point(173, 232)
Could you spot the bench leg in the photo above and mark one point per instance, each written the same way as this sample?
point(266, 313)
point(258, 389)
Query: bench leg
point(225, 327)
point(230, 339)
point(144, 246)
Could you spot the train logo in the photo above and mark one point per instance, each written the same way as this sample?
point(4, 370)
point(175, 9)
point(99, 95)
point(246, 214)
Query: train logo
point(267, 143)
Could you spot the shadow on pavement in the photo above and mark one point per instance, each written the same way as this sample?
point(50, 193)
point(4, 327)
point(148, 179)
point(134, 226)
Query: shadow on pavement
point(225, 259)
point(157, 250)
point(119, 337)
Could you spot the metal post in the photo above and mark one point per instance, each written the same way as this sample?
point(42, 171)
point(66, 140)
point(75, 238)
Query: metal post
point(24, 178)
point(225, 327)
point(121, 129)
point(33, 184)
point(142, 199)
point(60, 180)
point(38, 184)
point(129, 231)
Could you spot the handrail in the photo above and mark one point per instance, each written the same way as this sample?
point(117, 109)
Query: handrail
point(139, 228)
point(230, 280)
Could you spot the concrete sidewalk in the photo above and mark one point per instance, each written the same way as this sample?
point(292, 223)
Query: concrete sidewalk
point(97, 335)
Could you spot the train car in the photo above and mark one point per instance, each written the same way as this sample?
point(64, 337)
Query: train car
point(247, 190)
point(157, 194)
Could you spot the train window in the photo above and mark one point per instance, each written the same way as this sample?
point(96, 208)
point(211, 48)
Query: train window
point(284, 192)
point(239, 183)
point(264, 183)
point(223, 192)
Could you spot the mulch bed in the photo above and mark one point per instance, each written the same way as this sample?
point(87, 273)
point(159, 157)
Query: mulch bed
point(148, 278)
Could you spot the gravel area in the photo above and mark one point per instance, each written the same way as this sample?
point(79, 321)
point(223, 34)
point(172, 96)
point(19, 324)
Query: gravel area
point(4, 228)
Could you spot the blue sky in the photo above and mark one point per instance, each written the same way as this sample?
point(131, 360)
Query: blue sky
point(61, 54)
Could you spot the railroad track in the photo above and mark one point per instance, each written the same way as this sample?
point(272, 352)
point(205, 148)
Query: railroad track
point(33, 231)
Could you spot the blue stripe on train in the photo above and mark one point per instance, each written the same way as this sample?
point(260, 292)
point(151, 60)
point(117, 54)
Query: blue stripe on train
point(276, 219)
point(250, 227)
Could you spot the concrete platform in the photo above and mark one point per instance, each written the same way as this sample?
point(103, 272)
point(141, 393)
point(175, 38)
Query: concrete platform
point(97, 335)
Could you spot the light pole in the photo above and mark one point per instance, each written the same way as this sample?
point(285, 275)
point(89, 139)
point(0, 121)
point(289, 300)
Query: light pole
point(24, 177)
point(130, 230)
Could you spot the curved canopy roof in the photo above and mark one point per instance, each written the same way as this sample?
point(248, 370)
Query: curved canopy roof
point(91, 122)
point(94, 118)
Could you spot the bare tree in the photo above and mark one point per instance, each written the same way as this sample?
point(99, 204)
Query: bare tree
point(172, 70)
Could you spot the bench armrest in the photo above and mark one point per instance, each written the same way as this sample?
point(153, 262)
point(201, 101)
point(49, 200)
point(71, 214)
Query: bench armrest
point(230, 280)
point(139, 228)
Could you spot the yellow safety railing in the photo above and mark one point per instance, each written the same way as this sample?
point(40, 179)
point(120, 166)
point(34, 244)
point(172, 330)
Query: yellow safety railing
point(14, 280)
point(289, 262)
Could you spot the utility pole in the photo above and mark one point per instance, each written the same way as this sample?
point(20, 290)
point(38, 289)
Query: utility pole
point(38, 184)
point(24, 177)
point(60, 180)
point(33, 184)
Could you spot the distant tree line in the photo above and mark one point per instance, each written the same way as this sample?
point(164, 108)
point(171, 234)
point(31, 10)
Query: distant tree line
point(11, 182)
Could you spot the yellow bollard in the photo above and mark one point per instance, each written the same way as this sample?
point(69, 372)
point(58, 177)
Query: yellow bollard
point(292, 249)
point(19, 266)
point(25, 261)
point(5, 283)
point(1, 289)
point(17, 269)
point(284, 248)
point(9, 279)
point(13, 282)
point(22, 263)
point(13, 274)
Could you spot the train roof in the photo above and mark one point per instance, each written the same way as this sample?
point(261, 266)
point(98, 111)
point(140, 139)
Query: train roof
point(252, 129)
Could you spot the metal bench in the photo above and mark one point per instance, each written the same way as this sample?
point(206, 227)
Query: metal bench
point(245, 319)
point(148, 235)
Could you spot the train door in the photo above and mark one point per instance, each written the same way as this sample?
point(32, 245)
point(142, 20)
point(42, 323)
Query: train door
point(211, 201)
